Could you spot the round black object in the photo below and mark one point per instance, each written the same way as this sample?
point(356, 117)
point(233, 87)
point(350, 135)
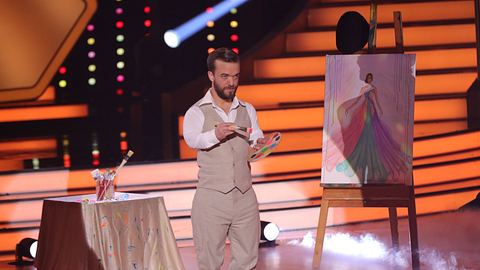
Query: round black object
point(352, 32)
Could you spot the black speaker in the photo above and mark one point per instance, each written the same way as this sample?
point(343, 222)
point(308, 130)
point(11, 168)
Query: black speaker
point(352, 32)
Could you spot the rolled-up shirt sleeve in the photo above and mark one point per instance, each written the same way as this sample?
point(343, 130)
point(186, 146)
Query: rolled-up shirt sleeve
point(256, 131)
point(192, 130)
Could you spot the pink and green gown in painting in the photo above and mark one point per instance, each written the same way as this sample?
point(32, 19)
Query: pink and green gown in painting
point(367, 148)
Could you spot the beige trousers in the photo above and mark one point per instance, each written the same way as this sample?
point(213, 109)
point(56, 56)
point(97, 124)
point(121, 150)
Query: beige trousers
point(216, 215)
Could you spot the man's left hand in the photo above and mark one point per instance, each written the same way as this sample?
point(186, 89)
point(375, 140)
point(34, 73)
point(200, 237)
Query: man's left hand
point(260, 143)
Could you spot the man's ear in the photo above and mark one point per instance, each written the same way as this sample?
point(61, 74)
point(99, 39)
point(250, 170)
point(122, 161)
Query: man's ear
point(210, 76)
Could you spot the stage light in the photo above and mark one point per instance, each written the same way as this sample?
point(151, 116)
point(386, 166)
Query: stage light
point(27, 248)
point(119, 24)
point(119, 92)
point(120, 64)
point(210, 50)
point(36, 163)
point(234, 37)
point(211, 37)
point(233, 11)
point(120, 38)
point(66, 161)
point(147, 23)
point(91, 54)
point(119, 11)
point(62, 83)
point(234, 24)
point(171, 39)
point(90, 27)
point(236, 50)
point(92, 68)
point(146, 9)
point(210, 24)
point(123, 141)
point(120, 51)
point(269, 231)
point(92, 81)
point(120, 78)
point(91, 41)
point(174, 37)
point(62, 70)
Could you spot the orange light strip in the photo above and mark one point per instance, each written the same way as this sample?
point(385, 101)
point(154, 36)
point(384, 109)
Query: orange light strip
point(289, 67)
point(305, 140)
point(11, 164)
point(427, 110)
point(273, 120)
point(436, 128)
point(292, 67)
point(28, 145)
point(291, 141)
point(448, 157)
point(43, 113)
point(436, 59)
point(447, 144)
point(431, 175)
point(443, 83)
point(413, 36)
point(287, 119)
point(271, 94)
point(49, 94)
point(293, 219)
point(275, 93)
point(445, 10)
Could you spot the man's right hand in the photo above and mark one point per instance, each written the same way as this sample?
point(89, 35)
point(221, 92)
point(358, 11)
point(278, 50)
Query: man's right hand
point(222, 130)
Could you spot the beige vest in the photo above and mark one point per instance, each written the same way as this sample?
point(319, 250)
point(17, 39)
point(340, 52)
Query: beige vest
point(225, 166)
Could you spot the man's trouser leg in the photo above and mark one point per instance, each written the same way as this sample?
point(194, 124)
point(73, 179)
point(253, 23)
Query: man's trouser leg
point(244, 233)
point(211, 217)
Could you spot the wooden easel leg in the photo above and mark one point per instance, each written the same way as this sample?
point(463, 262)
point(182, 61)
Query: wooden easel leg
point(412, 221)
point(322, 224)
point(392, 212)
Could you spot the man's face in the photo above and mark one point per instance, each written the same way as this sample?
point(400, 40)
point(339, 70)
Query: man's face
point(225, 79)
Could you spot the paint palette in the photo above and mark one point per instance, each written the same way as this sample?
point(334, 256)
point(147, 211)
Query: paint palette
point(272, 142)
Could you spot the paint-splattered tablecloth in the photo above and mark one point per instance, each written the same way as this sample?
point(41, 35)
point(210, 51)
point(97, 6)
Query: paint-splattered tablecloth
point(133, 233)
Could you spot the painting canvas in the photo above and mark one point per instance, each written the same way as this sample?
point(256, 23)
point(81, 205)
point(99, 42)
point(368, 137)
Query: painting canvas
point(368, 123)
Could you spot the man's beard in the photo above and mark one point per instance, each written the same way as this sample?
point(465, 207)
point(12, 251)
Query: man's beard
point(224, 95)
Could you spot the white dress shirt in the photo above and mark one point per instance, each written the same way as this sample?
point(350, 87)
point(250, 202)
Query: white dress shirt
point(194, 119)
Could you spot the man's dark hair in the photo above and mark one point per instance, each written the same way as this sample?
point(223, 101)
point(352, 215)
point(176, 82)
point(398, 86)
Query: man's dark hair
point(223, 54)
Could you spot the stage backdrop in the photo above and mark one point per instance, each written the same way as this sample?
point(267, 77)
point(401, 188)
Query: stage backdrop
point(368, 128)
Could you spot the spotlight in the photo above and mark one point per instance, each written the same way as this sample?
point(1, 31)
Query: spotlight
point(27, 248)
point(174, 37)
point(269, 232)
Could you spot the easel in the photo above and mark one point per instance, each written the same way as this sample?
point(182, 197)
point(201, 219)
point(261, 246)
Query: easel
point(391, 196)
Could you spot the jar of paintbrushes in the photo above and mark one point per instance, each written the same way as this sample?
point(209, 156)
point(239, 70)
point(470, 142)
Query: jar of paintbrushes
point(104, 187)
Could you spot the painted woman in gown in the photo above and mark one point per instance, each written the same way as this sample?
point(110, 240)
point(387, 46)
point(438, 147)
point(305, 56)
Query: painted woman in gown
point(367, 148)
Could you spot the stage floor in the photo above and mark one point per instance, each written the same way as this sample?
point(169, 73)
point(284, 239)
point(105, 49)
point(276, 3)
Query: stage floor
point(448, 241)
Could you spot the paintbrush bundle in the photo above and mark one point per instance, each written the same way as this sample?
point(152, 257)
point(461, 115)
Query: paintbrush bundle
point(104, 187)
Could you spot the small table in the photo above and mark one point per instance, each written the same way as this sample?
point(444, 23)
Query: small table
point(134, 233)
